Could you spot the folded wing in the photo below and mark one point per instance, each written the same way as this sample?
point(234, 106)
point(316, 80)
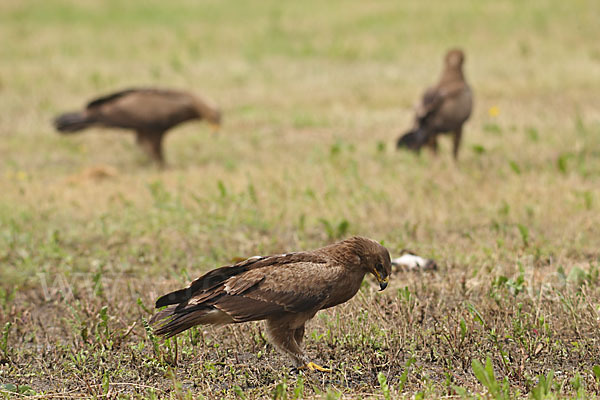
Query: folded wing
point(254, 289)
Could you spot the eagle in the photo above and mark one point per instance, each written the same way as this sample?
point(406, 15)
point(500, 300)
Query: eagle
point(444, 108)
point(286, 290)
point(150, 112)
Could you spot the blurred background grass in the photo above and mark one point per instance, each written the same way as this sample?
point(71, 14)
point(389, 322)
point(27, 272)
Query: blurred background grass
point(314, 95)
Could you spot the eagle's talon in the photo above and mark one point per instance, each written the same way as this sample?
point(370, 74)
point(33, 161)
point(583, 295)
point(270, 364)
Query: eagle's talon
point(311, 366)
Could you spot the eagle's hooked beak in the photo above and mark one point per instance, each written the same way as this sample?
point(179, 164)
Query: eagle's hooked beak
point(383, 282)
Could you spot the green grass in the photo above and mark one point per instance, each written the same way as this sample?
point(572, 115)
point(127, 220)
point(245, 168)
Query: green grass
point(314, 95)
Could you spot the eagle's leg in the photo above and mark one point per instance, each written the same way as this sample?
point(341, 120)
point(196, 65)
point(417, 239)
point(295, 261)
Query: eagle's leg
point(285, 339)
point(433, 144)
point(299, 335)
point(151, 144)
point(457, 137)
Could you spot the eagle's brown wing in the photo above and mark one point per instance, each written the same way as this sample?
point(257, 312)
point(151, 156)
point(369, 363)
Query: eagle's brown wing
point(299, 286)
point(152, 110)
point(434, 97)
point(255, 289)
point(430, 101)
point(110, 97)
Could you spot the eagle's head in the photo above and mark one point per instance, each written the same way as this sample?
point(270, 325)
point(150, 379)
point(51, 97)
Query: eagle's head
point(455, 58)
point(374, 259)
point(381, 267)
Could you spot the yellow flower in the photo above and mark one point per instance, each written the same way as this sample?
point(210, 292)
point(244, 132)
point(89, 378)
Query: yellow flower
point(21, 175)
point(494, 111)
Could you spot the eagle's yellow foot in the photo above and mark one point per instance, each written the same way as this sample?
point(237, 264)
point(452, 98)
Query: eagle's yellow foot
point(311, 366)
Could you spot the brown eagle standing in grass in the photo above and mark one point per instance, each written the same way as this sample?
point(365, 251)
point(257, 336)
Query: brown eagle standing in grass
point(286, 290)
point(148, 112)
point(444, 108)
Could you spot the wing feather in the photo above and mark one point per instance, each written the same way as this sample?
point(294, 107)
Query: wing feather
point(110, 97)
point(434, 98)
point(239, 284)
point(253, 289)
point(275, 272)
point(295, 287)
point(431, 100)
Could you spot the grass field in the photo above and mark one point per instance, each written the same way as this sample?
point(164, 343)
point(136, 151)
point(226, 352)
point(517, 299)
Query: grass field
point(314, 95)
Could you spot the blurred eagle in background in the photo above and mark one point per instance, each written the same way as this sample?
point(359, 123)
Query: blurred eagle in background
point(147, 111)
point(444, 108)
point(286, 290)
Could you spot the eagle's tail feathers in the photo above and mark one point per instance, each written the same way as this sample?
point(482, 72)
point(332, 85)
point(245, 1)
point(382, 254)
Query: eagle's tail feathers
point(71, 122)
point(168, 322)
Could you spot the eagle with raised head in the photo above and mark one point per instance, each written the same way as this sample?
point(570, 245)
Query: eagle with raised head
point(286, 290)
point(149, 112)
point(444, 108)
